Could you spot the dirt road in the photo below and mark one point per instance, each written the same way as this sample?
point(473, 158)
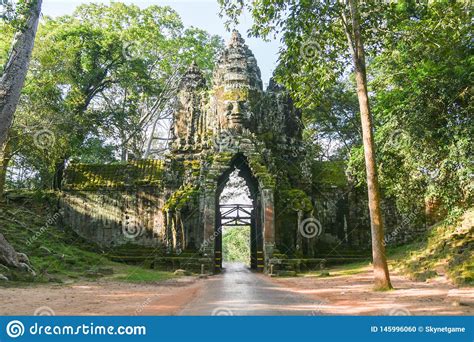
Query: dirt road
point(241, 292)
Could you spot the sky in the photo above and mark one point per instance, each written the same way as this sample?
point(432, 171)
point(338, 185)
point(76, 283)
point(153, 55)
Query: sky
point(203, 14)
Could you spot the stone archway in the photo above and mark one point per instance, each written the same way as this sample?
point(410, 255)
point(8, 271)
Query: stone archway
point(172, 204)
point(255, 214)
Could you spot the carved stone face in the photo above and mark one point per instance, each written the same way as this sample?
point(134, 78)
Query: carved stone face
point(235, 112)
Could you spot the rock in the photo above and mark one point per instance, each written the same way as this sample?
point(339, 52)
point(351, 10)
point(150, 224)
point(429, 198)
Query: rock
point(181, 272)
point(27, 268)
point(3, 278)
point(8, 255)
point(22, 257)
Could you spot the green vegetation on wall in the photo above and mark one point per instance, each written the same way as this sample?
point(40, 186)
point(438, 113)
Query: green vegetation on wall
point(182, 197)
point(97, 176)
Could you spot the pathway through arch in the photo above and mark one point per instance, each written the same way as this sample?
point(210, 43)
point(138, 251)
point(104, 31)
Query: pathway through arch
point(238, 291)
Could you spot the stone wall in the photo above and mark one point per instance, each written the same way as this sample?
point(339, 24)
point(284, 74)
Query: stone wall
point(231, 123)
point(114, 217)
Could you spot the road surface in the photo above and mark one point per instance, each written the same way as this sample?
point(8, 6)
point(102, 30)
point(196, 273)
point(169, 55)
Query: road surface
point(239, 292)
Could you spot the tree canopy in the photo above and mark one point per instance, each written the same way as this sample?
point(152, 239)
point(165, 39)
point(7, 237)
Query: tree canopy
point(106, 75)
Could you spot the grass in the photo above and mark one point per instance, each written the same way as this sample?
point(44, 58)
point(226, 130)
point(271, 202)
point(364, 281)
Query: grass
point(447, 249)
point(59, 255)
point(136, 274)
point(340, 270)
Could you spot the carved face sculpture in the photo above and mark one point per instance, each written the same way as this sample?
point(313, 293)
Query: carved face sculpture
point(235, 112)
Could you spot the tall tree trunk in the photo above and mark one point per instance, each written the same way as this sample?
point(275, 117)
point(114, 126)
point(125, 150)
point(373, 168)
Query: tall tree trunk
point(381, 274)
point(14, 73)
point(5, 156)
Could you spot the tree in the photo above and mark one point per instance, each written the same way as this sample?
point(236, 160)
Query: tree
point(105, 75)
point(14, 72)
point(330, 36)
point(421, 83)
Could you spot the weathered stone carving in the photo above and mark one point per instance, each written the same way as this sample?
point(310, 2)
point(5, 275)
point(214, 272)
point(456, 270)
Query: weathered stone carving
point(229, 124)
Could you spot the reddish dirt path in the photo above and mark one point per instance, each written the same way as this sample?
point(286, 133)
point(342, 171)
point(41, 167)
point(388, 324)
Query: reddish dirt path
point(336, 295)
point(352, 295)
point(101, 298)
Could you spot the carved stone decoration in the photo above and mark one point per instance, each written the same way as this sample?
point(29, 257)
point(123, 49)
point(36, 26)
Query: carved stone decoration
point(170, 208)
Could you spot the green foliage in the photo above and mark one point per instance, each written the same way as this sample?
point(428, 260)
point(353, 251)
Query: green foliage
point(98, 80)
point(329, 173)
point(16, 13)
point(184, 196)
point(419, 65)
point(261, 172)
point(236, 244)
point(448, 247)
point(423, 110)
point(294, 200)
point(6, 37)
point(132, 173)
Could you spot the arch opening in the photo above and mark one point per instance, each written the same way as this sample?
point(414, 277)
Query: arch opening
point(238, 227)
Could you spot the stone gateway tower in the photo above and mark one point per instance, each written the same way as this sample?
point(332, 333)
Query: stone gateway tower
point(220, 128)
point(170, 207)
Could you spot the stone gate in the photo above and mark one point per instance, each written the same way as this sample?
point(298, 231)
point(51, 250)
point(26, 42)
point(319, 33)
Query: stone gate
point(171, 206)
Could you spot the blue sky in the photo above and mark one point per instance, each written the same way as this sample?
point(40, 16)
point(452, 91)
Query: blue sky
point(199, 13)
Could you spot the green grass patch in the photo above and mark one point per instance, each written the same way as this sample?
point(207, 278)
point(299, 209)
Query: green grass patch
point(446, 249)
point(136, 274)
point(340, 270)
point(32, 226)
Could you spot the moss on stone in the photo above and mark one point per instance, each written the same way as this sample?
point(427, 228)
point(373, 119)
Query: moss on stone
point(447, 247)
point(241, 94)
point(99, 176)
point(261, 172)
point(182, 197)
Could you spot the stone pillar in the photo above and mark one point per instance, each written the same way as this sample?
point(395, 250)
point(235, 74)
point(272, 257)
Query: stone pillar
point(268, 225)
point(209, 219)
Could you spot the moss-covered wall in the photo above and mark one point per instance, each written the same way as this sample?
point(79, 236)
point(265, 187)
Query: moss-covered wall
point(115, 217)
point(114, 176)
